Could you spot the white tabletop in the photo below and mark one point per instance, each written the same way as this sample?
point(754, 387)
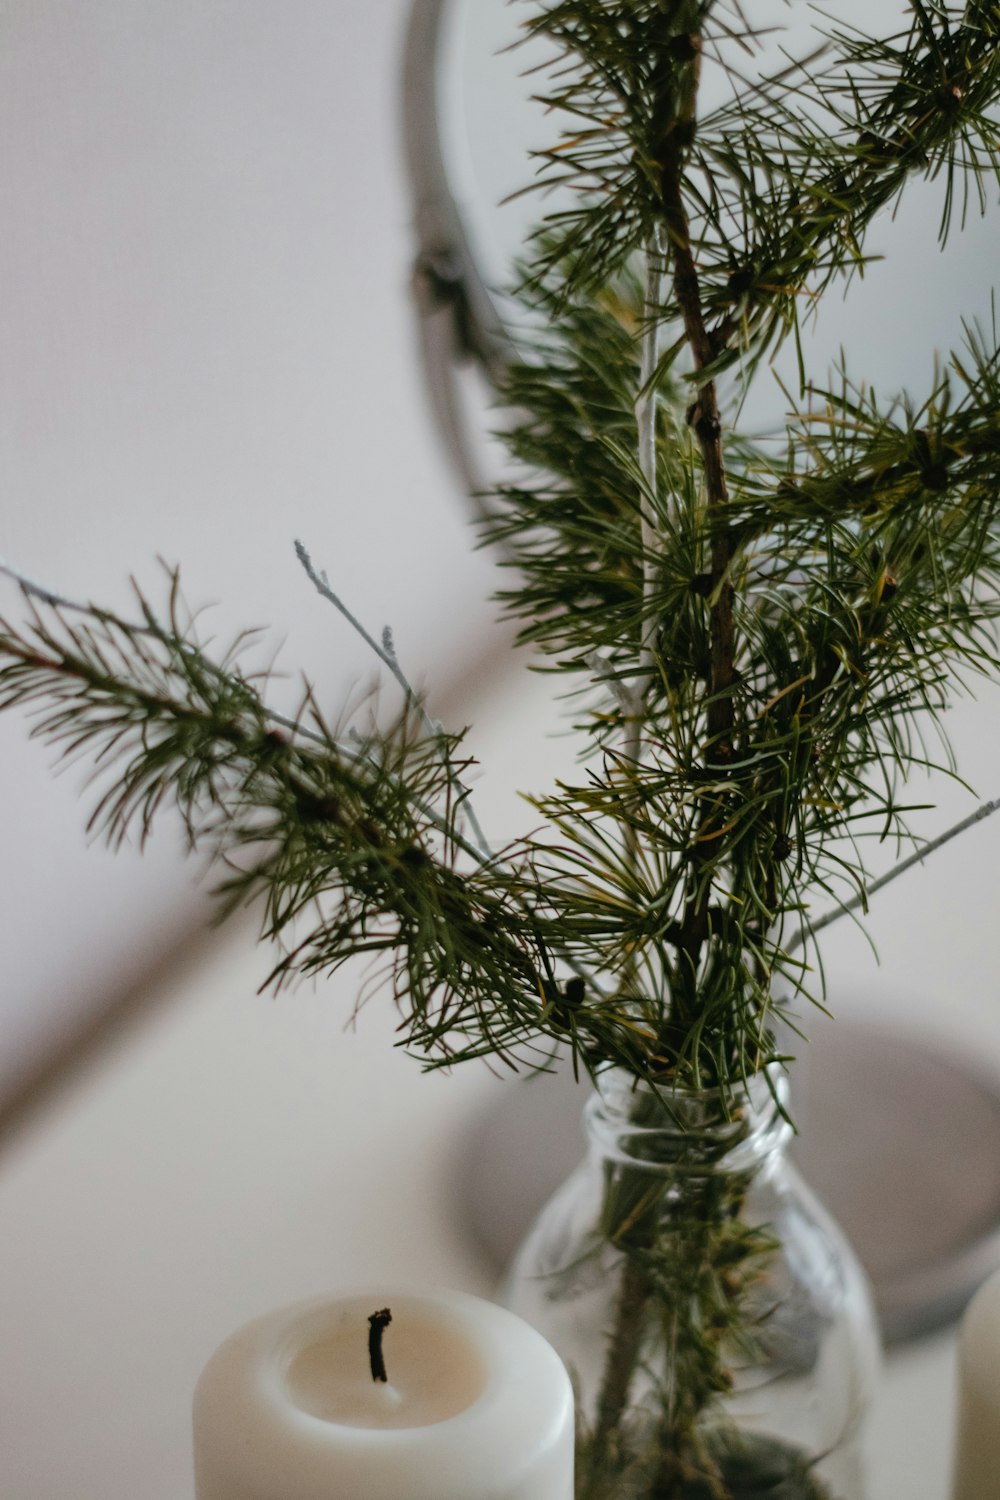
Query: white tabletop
point(231, 1152)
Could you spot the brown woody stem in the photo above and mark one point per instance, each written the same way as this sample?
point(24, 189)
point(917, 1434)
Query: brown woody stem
point(704, 418)
point(620, 1365)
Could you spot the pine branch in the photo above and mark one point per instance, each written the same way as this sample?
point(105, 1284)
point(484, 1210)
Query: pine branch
point(796, 655)
point(352, 846)
point(175, 635)
point(761, 637)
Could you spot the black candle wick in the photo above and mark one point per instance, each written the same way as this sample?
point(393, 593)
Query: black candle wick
point(377, 1324)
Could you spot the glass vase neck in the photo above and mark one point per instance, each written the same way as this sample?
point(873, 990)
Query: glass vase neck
point(676, 1129)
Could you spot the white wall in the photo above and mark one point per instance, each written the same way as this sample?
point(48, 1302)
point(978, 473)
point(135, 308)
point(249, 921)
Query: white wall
point(205, 350)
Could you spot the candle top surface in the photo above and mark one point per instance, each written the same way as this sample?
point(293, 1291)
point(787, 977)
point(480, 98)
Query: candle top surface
point(434, 1372)
point(475, 1404)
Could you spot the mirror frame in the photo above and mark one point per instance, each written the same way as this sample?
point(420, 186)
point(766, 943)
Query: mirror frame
point(458, 320)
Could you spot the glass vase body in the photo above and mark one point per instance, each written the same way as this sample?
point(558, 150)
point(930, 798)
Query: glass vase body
point(717, 1326)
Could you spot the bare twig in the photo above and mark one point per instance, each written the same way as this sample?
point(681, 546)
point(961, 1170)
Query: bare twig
point(860, 901)
point(386, 653)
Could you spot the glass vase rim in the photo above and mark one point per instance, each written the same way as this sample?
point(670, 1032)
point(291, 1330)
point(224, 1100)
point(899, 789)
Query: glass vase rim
point(769, 1082)
point(753, 1123)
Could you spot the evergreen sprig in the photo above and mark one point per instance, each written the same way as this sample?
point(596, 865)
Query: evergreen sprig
point(760, 635)
point(352, 843)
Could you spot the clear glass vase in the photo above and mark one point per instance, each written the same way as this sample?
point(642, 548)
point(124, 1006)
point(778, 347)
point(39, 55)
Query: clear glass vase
point(717, 1326)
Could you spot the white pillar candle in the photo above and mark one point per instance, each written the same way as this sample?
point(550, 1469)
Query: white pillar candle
point(475, 1404)
point(977, 1450)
